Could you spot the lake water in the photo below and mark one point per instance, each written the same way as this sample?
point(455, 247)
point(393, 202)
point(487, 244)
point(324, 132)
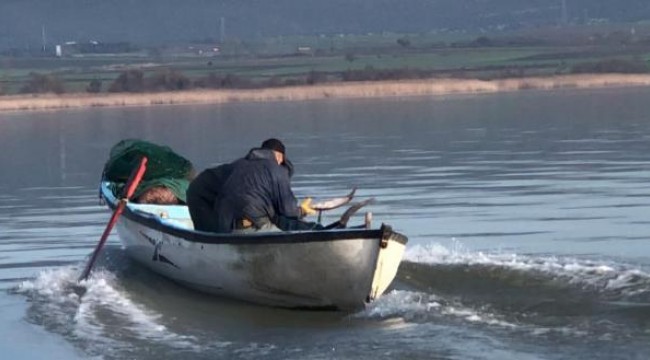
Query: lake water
point(527, 213)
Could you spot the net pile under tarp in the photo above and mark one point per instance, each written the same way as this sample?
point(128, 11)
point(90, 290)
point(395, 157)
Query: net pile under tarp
point(165, 168)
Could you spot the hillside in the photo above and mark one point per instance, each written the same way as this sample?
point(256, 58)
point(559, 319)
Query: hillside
point(160, 21)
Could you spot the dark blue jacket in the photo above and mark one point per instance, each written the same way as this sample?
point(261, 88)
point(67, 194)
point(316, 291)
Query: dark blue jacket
point(255, 188)
point(202, 194)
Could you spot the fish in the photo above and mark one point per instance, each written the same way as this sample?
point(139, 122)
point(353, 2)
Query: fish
point(342, 223)
point(353, 209)
point(333, 203)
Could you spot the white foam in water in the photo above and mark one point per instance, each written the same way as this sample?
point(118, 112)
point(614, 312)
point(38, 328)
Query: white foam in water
point(611, 281)
point(101, 293)
point(421, 307)
point(415, 305)
point(81, 314)
point(602, 275)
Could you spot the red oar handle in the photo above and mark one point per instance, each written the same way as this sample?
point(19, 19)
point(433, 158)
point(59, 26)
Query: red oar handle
point(131, 185)
point(135, 178)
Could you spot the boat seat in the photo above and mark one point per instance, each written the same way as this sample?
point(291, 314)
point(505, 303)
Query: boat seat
point(174, 215)
point(180, 223)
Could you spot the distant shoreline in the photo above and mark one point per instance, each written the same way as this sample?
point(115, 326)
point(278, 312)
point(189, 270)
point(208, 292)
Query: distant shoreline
point(343, 90)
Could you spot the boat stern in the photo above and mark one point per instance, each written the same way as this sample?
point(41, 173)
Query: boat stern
point(391, 250)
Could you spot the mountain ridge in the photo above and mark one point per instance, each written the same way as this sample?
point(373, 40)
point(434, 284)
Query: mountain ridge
point(160, 21)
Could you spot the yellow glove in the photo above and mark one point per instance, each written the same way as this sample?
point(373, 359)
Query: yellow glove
point(305, 207)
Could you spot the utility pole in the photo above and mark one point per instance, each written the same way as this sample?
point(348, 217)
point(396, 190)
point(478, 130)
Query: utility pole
point(222, 30)
point(565, 14)
point(43, 38)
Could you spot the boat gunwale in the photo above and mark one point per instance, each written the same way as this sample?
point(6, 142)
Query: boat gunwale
point(153, 222)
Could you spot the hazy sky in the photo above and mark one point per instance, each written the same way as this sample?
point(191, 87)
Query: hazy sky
point(146, 21)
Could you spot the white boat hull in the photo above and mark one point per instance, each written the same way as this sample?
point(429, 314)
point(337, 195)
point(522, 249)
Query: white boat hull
point(342, 269)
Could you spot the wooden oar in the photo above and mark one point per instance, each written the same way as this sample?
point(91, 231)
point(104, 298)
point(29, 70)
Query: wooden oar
point(129, 189)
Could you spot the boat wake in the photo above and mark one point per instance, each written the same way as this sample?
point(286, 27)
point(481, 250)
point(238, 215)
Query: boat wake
point(422, 307)
point(607, 280)
point(122, 311)
point(98, 315)
point(530, 294)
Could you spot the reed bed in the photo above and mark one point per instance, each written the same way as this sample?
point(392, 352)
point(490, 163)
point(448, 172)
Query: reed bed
point(429, 87)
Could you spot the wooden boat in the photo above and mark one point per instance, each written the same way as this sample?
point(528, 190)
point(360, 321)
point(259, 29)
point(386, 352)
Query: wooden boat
point(335, 269)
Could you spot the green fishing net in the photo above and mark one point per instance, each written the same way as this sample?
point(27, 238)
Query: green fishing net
point(164, 167)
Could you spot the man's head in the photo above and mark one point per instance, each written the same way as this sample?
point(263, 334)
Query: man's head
point(278, 149)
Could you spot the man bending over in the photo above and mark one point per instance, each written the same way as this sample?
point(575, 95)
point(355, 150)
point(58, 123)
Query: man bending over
point(250, 194)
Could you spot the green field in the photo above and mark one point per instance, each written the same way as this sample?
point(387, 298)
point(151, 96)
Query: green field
point(428, 55)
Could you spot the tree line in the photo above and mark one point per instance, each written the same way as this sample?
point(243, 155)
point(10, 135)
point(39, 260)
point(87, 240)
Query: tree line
point(136, 81)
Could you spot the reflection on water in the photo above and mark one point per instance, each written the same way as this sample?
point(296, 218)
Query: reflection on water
point(525, 214)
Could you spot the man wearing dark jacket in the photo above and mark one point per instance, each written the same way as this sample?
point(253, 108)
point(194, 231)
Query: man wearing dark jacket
point(252, 193)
